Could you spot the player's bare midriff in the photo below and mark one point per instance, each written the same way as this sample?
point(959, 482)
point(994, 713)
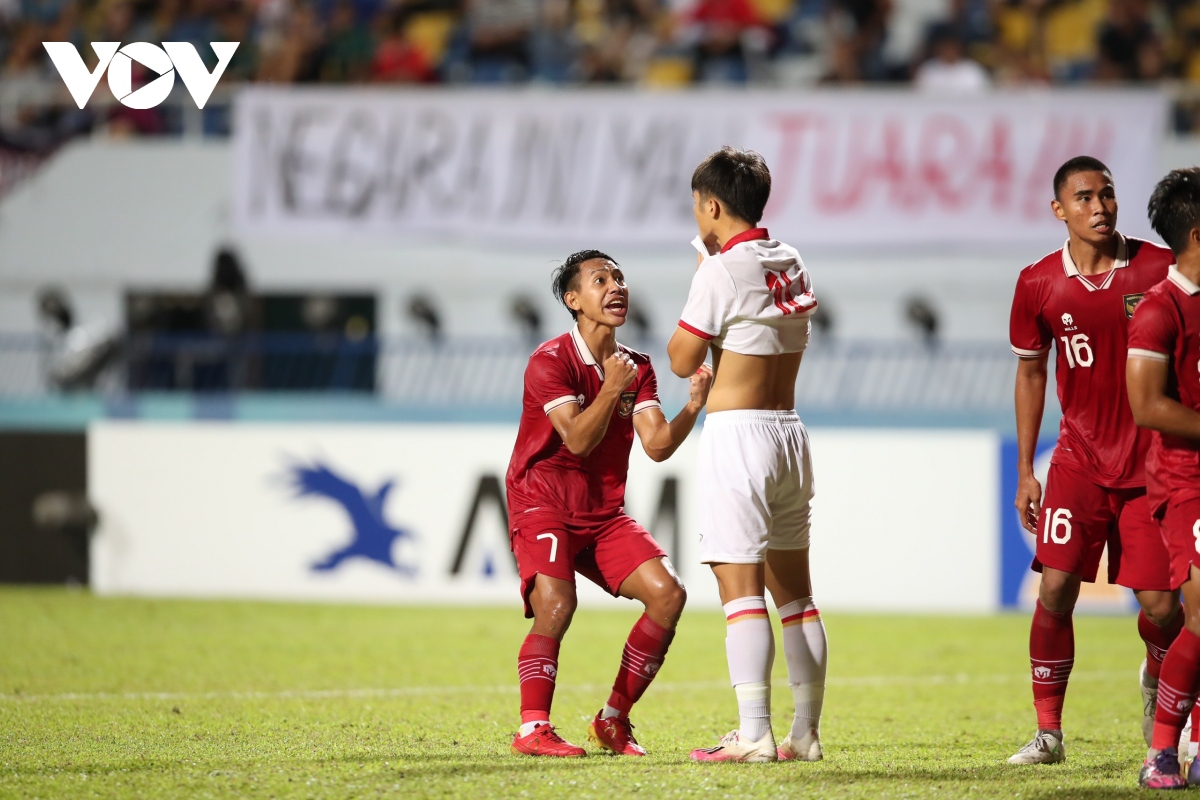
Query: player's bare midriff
point(743, 382)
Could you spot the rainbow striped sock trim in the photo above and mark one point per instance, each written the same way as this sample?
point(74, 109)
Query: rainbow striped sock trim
point(811, 615)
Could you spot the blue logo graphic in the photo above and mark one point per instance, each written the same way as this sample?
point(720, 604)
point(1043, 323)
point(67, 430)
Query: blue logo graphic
point(1016, 544)
point(374, 537)
point(1018, 584)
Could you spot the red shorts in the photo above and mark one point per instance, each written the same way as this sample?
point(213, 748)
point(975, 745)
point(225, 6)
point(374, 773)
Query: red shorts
point(1180, 526)
point(1079, 518)
point(605, 550)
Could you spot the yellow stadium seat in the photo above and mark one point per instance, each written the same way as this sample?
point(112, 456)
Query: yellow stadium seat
point(773, 11)
point(1071, 31)
point(430, 32)
point(668, 72)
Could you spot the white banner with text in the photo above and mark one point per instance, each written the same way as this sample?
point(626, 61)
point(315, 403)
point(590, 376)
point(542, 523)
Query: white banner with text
point(902, 521)
point(865, 167)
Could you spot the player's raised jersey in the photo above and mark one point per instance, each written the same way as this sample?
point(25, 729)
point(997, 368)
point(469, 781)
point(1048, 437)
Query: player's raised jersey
point(754, 297)
point(1086, 319)
point(1167, 327)
point(543, 473)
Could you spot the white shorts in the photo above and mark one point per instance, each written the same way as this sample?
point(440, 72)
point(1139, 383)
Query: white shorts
point(755, 485)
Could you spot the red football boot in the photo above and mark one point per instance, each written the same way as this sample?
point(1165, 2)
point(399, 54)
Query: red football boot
point(544, 741)
point(616, 735)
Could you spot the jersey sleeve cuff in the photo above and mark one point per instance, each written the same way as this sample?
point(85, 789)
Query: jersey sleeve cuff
point(692, 329)
point(559, 401)
point(1023, 353)
point(1137, 352)
point(645, 405)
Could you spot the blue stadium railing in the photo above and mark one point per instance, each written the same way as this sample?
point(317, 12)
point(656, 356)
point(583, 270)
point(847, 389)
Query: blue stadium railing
point(300, 376)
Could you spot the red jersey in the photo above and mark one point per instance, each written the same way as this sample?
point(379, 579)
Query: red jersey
point(1087, 320)
point(1167, 327)
point(543, 473)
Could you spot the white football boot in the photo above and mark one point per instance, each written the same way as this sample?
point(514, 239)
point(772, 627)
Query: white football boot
point(1045, 748)
point(733, 747)
point(808, 748)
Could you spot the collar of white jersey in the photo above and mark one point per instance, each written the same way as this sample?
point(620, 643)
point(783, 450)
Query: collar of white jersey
point(1072, 271)
point(1182, 281)
point(581, 347)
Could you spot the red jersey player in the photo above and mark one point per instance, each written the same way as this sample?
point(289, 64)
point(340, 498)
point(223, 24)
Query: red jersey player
point(585, 396)
point(1079, 299)
point(1163, 373)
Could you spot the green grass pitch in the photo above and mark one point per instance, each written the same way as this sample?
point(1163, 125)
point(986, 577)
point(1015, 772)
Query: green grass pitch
point(161, 699)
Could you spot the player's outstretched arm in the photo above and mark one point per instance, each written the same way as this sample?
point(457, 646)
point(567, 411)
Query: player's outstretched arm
point(581, 431)
point(1030, 402)
point(1146, 381)
point(687, 352)
point(660, 439)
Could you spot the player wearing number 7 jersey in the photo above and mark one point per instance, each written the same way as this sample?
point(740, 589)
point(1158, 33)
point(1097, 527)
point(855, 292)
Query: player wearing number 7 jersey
point(1079, 301)
point(585, 397)
point(1164, 393)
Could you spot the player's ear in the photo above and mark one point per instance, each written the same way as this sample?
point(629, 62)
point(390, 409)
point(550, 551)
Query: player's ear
point(714, 208)
point(1057, 208)
point(572, 300)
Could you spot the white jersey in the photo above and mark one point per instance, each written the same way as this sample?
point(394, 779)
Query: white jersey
point(754, 297)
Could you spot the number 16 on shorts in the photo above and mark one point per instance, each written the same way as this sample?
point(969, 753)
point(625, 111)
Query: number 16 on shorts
point(1056, 526)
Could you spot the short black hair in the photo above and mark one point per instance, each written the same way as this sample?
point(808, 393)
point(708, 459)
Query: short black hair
point(563, 279)
point(739, 179)
point(1174, 207)
point(1075, 166)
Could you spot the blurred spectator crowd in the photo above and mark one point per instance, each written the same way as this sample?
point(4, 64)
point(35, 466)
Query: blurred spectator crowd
point(937, 45)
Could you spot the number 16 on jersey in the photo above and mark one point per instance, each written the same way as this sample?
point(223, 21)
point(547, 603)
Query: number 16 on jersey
point(1077, 350)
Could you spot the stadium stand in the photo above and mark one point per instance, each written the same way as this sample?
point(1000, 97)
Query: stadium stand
point(940, 45)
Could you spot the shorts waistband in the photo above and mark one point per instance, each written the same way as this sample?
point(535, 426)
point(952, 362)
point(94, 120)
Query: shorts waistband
point(741, 415)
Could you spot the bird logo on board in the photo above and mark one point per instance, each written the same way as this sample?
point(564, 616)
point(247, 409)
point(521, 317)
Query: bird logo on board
point(373, 537)
point(625, 404)
point(1131, 301)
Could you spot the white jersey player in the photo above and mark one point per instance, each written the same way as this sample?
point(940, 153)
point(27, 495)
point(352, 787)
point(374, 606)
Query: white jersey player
point(750, 302)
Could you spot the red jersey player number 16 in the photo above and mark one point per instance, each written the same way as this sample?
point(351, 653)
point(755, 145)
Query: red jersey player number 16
point(1078, 300)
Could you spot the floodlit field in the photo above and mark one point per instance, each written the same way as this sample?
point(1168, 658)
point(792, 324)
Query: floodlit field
point(163, 699)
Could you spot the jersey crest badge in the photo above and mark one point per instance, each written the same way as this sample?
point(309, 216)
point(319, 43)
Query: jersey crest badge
point(1131, 301)
point(625, 404)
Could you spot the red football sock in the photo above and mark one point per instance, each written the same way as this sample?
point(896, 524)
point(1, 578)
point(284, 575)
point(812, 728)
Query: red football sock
point(1195, 724)
point(1157, 640)
point(1177, 685)
point(1051, 656)
point(537, 668)
point(645, 650)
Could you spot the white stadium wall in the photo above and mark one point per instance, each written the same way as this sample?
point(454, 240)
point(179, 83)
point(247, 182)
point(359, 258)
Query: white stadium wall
point(904, 520)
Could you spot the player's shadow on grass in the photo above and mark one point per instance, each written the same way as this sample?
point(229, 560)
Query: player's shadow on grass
point(1086, 792)
point(977, 773)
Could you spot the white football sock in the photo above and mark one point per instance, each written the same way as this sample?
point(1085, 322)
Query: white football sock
point(528, 727)
point(754, 708)
point(750, 649)
point(805, 648)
